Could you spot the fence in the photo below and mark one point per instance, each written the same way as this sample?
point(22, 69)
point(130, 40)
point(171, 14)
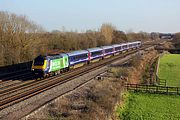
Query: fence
point(153, 89)
point(155, 77)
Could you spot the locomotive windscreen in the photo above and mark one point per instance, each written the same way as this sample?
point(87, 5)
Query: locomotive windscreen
point(39, 61)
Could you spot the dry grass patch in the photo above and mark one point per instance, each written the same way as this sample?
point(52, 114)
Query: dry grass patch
point(94, 101)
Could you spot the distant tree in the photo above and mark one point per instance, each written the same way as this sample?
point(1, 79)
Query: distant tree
point(56, 31)
point(19, 38)
point(129, 31)
point(143, 36)
point(107, 31)
point(154, 35)
point(118, 37)
point(176, 40)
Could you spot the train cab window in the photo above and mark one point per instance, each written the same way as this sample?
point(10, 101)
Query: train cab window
point(39, 61)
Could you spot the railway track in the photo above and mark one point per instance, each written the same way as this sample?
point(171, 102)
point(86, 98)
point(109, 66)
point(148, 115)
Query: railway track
point(23, 86)
point(12, 96)
point(18, 76)
point(12, 80)
point(7, 75)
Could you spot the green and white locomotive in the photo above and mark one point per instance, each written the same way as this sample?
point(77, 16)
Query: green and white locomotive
point(44, 66)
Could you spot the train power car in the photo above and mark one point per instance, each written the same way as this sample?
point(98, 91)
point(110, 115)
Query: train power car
point(44, 66)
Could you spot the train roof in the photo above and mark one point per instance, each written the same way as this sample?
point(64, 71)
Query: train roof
point(106, 47)
point(123, 44)
point(117, 45)
point(130, 43)
point(54, 56)
point(77, 52)
point(94, 49)
point(41, 57)
point(63, 54)
point(136, 42)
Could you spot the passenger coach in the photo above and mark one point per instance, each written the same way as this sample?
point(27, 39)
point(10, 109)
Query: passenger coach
point(108, 51)
point(95, 54)
point(117, 48)
point(78, 58)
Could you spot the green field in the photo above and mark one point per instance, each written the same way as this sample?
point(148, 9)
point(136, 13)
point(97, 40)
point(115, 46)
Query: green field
point(169, 69)
point(149, 107)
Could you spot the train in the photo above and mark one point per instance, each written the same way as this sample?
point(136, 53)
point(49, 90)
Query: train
point(51, 65)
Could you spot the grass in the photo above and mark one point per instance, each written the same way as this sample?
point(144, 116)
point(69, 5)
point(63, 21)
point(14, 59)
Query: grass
point(169, 69)
point(150, 107)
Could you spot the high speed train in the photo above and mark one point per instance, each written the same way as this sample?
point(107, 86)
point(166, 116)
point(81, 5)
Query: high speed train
point(44, 66)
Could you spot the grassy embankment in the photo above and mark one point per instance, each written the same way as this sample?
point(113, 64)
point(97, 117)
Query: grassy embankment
point(139, 106)
point(169, 69)
point(149, 107)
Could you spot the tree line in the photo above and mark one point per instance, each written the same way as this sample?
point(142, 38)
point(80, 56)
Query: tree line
point(176, 40)
point(21, 40)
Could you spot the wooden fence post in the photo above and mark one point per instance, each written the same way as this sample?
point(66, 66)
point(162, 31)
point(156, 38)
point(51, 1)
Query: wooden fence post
point(167, 90)
point(165, 83)
point(146, 87)
point(136, 88)
point(156, 89)
point(177, 91)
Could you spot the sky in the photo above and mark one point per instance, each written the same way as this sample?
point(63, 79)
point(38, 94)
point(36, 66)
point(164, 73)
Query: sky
point(82, 15)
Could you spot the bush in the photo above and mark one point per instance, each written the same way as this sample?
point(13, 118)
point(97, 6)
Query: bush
point(120, 72)
point(134, 61)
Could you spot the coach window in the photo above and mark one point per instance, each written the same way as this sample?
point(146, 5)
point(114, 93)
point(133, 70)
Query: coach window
point(96, 53)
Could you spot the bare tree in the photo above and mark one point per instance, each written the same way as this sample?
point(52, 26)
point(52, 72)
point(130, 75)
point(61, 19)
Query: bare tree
point(18, 36)
point(107, 31)
point(118, 37)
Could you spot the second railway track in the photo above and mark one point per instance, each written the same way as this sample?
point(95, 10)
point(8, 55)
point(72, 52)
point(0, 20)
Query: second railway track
point(11, 80)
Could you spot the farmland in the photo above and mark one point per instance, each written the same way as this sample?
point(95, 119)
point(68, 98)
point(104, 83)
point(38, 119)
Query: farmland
point(169, 69)
point(149, 107)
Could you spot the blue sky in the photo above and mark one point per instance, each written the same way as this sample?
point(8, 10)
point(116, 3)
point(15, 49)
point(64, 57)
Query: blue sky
point(81, 15)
